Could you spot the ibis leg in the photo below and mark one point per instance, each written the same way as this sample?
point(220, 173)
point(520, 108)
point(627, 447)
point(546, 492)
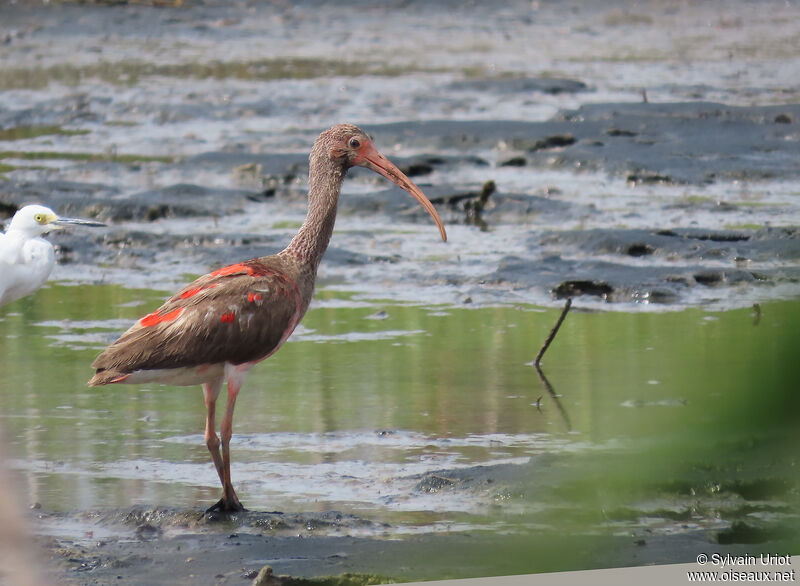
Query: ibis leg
point(226, 431)
point(229, 501)
point(211, 392)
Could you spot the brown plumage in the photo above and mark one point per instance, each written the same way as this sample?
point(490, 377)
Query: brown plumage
point(216, 328)
point(236, 315)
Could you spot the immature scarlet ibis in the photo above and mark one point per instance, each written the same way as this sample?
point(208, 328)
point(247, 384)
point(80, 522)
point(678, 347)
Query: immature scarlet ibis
point(27, 259)
point(216, 328)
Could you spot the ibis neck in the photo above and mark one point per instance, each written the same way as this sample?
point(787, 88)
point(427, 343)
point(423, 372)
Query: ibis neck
point(311, 241)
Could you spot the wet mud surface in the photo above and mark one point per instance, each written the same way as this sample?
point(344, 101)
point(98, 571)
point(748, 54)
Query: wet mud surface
point(633, 159)
point(144, 545)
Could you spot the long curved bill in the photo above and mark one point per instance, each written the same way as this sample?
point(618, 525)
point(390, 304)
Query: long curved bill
point(76, 222)
point(372, 159)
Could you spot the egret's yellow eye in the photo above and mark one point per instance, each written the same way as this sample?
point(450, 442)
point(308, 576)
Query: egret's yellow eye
point(40, 219)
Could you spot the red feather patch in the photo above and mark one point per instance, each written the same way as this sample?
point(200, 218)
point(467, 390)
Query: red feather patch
point(252, 268)
point(227, 317)
point(195, 290)
point(191, 292)
point(156, 318)
point(252, 297)
point(233, 270)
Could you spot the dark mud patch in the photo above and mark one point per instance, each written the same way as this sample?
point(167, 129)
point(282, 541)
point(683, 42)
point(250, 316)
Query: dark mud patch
point(545, 85)
point(653, 266)
point(682, 244)
point(177, 201)
point(690, 142)
point(66, 197)
point(626, 283)
point(110, 204)
point(287, 167)
point(52, 113)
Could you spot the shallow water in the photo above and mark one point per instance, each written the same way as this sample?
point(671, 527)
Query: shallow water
point(429, 418)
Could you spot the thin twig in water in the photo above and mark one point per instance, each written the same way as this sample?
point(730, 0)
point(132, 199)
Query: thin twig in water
point(552, 333)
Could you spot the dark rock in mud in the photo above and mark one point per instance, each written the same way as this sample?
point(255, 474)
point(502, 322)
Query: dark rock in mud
point(552, 142)
point(576, 288)
point(649, 178)
point(418, 165)
point(515, 162)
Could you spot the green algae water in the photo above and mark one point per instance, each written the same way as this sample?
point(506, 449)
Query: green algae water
point(661, 428)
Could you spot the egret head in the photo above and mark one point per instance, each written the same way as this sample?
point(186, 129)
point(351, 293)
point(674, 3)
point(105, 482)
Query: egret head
point(35, 220)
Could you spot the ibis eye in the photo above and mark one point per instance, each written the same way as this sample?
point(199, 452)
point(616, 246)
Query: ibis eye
point(354, 143)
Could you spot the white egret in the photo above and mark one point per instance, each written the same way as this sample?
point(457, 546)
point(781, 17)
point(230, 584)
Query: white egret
point(27, 259)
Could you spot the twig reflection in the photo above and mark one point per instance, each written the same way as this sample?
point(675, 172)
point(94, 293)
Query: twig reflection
point(553, 395)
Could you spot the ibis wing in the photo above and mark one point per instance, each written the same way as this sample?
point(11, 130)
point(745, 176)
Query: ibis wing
point(231, 317)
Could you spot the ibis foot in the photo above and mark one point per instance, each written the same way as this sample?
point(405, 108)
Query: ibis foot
point(223, 506)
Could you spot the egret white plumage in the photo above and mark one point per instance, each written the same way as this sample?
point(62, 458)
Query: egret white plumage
point(27, 259)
